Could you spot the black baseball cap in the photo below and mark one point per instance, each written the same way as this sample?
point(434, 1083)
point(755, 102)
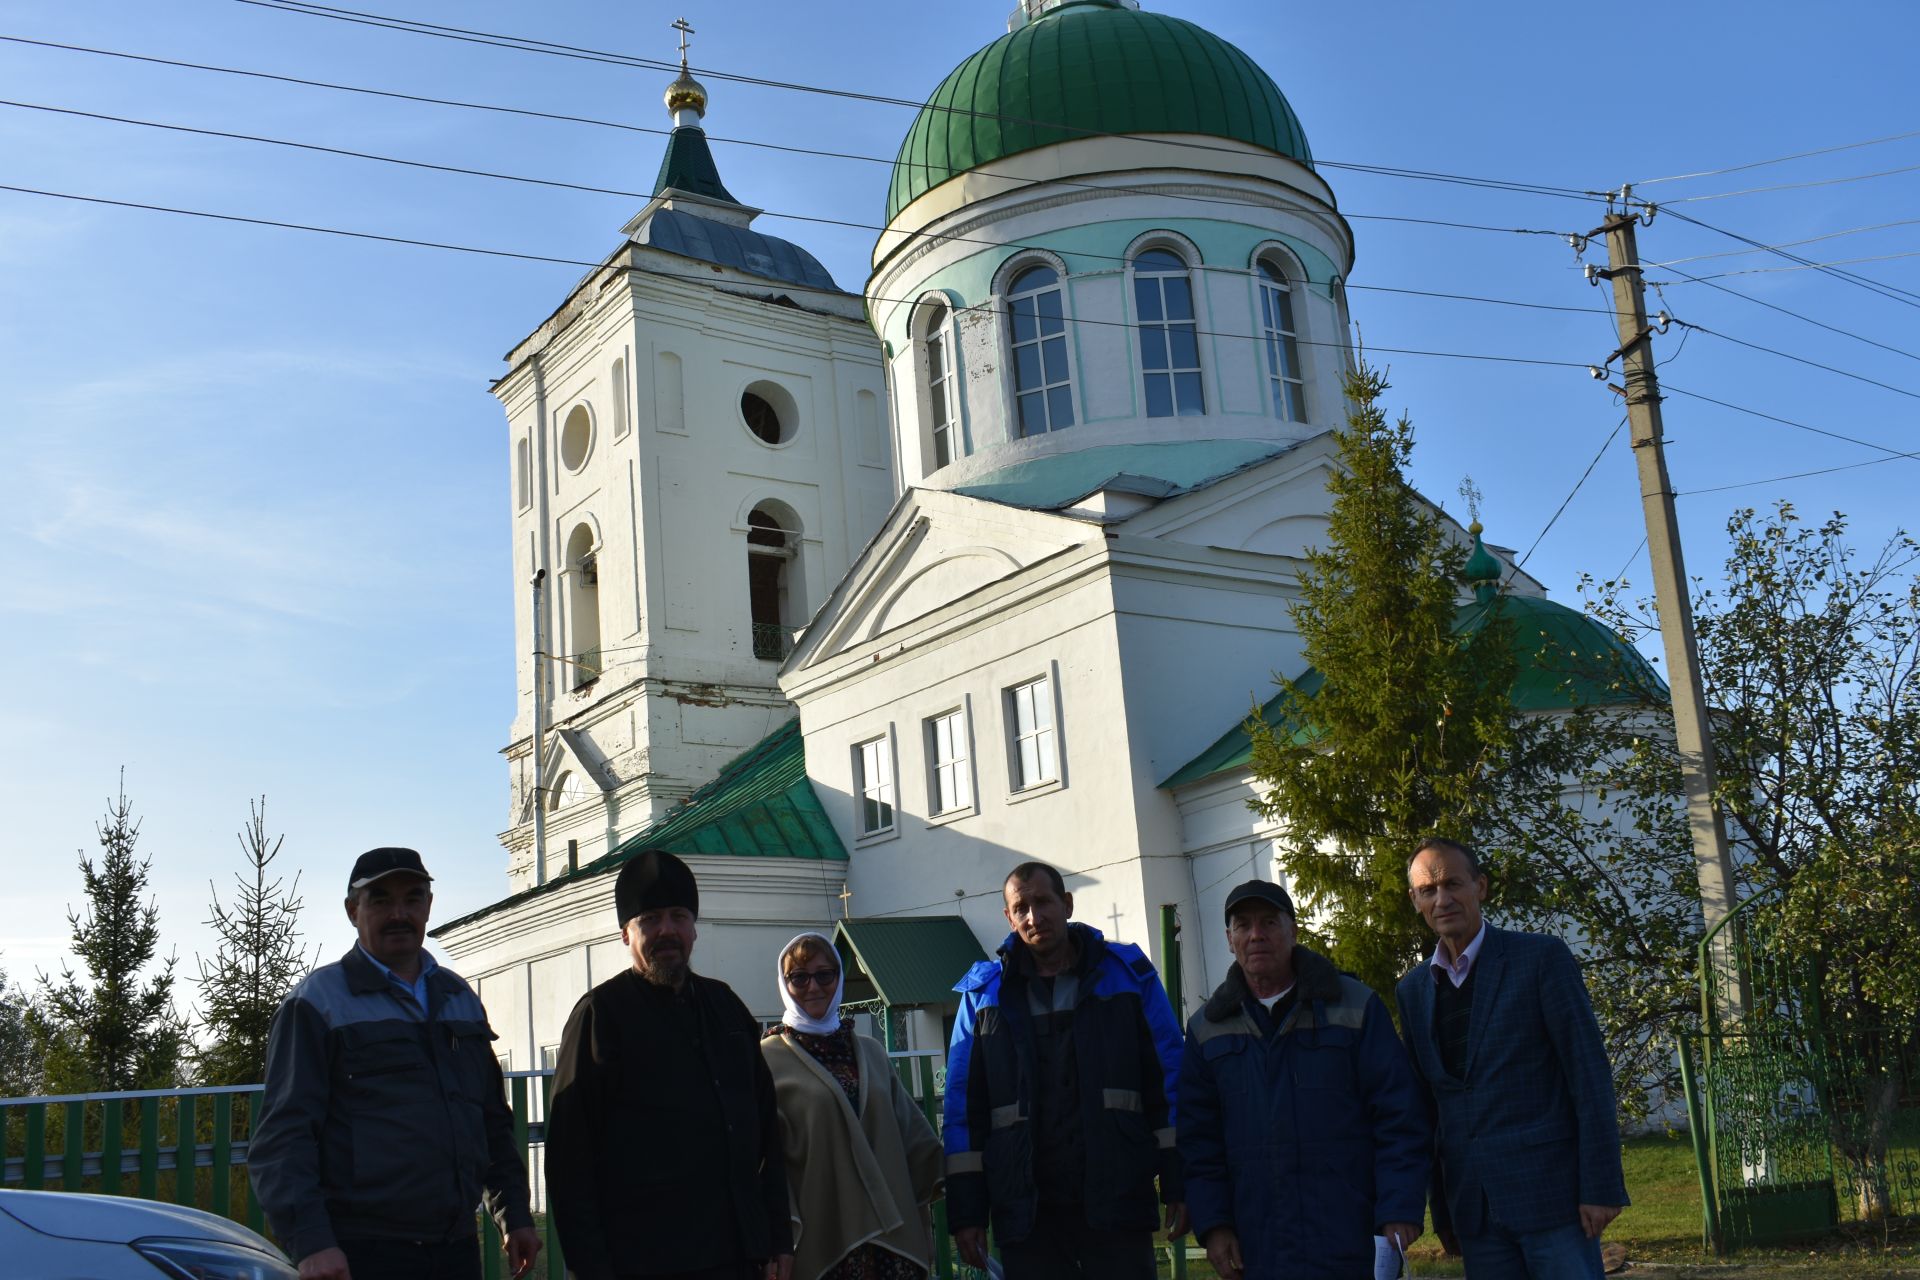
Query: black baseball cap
point(1260, 891)
point(377, 864)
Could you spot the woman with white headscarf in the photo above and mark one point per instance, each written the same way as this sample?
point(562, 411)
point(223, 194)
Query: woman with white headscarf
point(863, 1164)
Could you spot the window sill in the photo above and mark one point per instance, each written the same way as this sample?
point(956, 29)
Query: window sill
point(1035, 791)
point(951, 816)
point(877, 837)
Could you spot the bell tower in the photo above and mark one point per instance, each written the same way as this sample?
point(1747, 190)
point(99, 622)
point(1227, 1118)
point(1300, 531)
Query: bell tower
point(697, 448)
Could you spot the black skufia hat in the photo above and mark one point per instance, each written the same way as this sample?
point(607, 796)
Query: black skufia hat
point(654, 880)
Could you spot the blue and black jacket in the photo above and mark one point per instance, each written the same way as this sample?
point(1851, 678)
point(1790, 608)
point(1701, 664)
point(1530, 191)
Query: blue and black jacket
point(1304, 1136)
point(1127, 1050)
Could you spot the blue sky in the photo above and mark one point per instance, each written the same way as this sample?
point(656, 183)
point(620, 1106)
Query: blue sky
point(256, 528)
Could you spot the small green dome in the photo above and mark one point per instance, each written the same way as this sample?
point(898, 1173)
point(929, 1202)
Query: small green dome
point(1087, 68)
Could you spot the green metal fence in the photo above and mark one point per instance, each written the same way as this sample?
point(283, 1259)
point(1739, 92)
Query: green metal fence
point(189, 1146)
point(1806, 1117)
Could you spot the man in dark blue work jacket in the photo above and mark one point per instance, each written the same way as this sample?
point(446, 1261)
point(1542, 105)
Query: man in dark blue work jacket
point(1302, 1132)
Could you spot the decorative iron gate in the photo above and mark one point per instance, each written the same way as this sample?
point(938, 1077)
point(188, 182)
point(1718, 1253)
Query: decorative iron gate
point(1805, 1117)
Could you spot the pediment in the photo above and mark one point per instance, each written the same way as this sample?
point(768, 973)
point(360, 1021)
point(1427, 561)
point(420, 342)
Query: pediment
point(570, 755)
point(1278, 508)
point(935, 548)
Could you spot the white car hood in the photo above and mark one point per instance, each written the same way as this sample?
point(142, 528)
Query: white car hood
point(119, 1219)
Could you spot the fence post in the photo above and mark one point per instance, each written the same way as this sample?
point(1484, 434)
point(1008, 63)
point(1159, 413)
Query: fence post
point(76, 1146)
point(1697, 1124)
point(110, 1151)
point(186, 1142)
point(222, 1188)
point(1176, 995)
point(33, 1173)
point(556, 1264)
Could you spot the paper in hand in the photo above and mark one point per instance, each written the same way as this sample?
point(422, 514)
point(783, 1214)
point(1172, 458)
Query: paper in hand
point(1389, 1263)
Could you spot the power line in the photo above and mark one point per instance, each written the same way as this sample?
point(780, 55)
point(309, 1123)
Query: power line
point(781, 286)
point(1577, 484)
point(528, 44)
point(1796, 475)
point(588, 188)
point(1814, 266)
point(1789, 422)
point(1788, 244)
point(627, 127)
point(1904, 296)
point(1755, 191)
point(1805, 319)
point(1787, 355)
point(1798, 155)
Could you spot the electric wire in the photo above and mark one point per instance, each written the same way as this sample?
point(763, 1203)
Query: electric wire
point(811, 152)
point(643, 196)
point(1789, 422)
point(1577, 485)
point(1756, 191)
point(1786, 244)
point(1798, 155)
point(1690, 327)
point(1804, 319)
point(528, 44)
point(1905, 296)
point(775, 287)
point(1814, 266)
point(1796, 475)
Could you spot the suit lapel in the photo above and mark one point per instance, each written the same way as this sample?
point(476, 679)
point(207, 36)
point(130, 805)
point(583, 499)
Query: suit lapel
point(1488, 968)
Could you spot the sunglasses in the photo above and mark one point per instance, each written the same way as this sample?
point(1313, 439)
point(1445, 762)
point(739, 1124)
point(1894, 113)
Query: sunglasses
point(800, 979)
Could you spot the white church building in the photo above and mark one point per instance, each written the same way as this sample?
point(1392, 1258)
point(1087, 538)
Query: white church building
point(856, 601)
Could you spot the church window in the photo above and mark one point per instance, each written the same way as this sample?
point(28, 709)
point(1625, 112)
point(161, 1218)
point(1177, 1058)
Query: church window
point(770, 412)
point(523, 474)
point(1279, 336)
point(1030, 730)
point(770, 550)
point(873, 780)
point(1169, 338)
point(576, 437)
point(1042, 383)
point(581, 583)
point(567, 789)
point(950, 786)
point(618, 382)
point(943, 404)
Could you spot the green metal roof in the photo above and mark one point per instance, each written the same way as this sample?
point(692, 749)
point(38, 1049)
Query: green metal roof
point(688, 166)
point(760, 805)
point(912, 960)
point(1157, 470)
point(1560, 653)
point(1085, 69)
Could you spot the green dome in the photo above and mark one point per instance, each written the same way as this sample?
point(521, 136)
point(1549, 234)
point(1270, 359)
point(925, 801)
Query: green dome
point(1090, 68)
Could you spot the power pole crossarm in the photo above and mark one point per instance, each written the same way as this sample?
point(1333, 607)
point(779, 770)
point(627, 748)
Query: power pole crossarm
point(1693, 731)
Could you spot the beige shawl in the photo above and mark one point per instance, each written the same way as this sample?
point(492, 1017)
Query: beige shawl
point(852, 1179)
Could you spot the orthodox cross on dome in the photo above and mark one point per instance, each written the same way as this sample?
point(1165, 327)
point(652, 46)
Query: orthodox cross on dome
point(680, 25)
point(1470, 493)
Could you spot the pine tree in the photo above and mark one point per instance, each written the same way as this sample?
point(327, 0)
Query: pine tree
point(115, 1030)
point(19, 1065)
point(258, 960)
point(1390, 737)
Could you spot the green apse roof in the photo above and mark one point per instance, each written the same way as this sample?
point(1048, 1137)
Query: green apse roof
point(760, 805)
point(1084, 69)
point(1564, 659)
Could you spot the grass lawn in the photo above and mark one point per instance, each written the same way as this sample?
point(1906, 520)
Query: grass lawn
point(1662, 1233)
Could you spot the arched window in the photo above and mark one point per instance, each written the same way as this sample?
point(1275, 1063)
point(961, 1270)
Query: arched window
point(1042, 386)
point(582, 578)
point(943, 404)
point(1169, 344)
point(770, 550)
point(1287, 388)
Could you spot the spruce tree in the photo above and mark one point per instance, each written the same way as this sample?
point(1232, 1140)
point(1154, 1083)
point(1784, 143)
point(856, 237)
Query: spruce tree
point(116, 1029)
point(1391, 736)
point(257, 961)
point(19, 1065)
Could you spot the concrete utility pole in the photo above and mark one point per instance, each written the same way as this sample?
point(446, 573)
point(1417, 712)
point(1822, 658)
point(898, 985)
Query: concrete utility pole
point(1692, 729)
point(539, 739)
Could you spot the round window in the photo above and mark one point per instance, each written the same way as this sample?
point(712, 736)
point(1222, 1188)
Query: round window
point(576, 437)
point(770, 412)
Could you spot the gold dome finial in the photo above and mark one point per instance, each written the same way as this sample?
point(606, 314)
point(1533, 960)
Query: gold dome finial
point(685, 92)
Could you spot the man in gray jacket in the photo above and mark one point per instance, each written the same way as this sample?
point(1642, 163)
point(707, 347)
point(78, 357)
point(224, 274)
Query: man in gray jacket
point(384, 1119)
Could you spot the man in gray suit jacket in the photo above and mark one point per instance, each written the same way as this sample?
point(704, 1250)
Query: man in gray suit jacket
point(1503, 1037)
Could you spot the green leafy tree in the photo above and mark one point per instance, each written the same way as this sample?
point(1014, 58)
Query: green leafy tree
point(116, 1029)
point(1391, 738)
point(258, 960)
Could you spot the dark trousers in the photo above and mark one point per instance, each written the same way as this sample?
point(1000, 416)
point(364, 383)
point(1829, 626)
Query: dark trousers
point(413, 1259)
point(728, 1271)
point(1062, 1246)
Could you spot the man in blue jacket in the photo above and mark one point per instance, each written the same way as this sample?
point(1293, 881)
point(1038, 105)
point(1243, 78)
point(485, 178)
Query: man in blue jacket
point(1302, 1133)
point(1505, 1042)
point(1059, 1105)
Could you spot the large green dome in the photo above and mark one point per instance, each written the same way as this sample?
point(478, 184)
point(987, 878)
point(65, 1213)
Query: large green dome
point(1086, 68)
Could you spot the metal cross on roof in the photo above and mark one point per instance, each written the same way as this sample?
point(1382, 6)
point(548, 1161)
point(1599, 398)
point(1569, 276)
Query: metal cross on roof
point(680, 25)
point(845, 896)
